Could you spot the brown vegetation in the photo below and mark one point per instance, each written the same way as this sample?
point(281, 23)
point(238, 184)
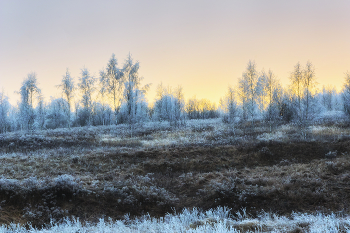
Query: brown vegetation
point(113, 176)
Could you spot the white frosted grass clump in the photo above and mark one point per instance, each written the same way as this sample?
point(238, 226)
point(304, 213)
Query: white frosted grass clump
point(173, 141)
point(66, 181)
point(330, 116)
point(324, 223)
point(321, 129)
point(204, 122)
point(129, 191)
point(276, 136)
point(190, 221)
point(63, 181)
point(159, 142)
point(332, 130)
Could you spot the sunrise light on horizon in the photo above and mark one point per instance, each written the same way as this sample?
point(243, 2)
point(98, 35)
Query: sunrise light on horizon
point(204, 46)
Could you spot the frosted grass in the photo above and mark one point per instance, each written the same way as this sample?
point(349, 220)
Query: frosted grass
point(217, 220)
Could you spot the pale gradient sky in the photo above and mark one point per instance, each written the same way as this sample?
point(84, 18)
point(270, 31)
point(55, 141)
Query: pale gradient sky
point(202, 45)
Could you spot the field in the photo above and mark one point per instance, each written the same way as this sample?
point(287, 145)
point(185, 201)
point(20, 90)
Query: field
point(206, 169)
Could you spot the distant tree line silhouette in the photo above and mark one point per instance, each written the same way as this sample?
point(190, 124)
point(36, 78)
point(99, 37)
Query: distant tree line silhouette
point(117, 97)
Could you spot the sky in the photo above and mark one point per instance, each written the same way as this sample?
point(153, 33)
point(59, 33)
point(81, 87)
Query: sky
point(202, 45)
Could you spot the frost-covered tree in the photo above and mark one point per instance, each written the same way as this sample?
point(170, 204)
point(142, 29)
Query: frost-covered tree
point(4, 113)
point(248, 91)
point(303, 90)
point(112, 82)
point(270, 94)
point(30, 94)
point(229, 106)
point(135, 109)
point(158, 110)
point(163, 105)
point(67, 85)
point(309, 90)
point(40, 114)
point(179, 107)
point(56, 114)
point(287, 107)
point(201, 109)
point(327, 97)
point(102, 114)
point(169, 105)
point(13, 117)
point(87, 88)
point(103, 110)
point(296, 86)
point(346, 94)
point(132, 82)
point(193, 109)
point(141, 105)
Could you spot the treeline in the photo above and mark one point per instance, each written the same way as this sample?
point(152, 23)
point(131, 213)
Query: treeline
point(260, 96)
point(117, 97)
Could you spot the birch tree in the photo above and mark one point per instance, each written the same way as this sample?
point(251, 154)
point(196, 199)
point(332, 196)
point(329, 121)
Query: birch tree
point(135, 109)
point(229, 105)
point(169, 105)
point(201, 109)
point(272, 95)
point(328, 97)
point(104, 108)
point(56, 114)
point(309, 88)
point(67, 85)
point(297, 85)
point(346, 94)
point(179, 107)
point(29, 94)
point(247, 91)
point(112, 82)
point(40, 113)
point(4, 113)
point(87, 88)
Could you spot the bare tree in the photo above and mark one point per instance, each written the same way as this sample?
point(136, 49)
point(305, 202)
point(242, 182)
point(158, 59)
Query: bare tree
point(271, 93)
point(40, 113)
point(87, 88)
point(4, 110)
point(229, 106)
point(57, 114)
point(112, 82)
point(297, 84)
point(247, 91)
point(67, 85)
point(169, 105)
point(104, 107)
point(135, 110)
point(346, 94)
point(309, 85)
point(132, 82)
point(327, 97)
point(201, 109)
point(179, 108)
point(29, 94)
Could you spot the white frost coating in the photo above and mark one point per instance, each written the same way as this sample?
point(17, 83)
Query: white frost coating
point(277, 136)
point(217, 220)
point(62, 181)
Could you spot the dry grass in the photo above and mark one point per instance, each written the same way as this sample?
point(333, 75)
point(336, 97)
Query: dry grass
point(205, 164)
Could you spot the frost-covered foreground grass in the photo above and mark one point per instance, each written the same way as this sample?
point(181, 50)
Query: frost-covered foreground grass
point(219, 220)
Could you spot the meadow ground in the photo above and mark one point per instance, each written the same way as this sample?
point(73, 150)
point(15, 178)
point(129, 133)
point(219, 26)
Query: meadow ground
point(112, 172)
